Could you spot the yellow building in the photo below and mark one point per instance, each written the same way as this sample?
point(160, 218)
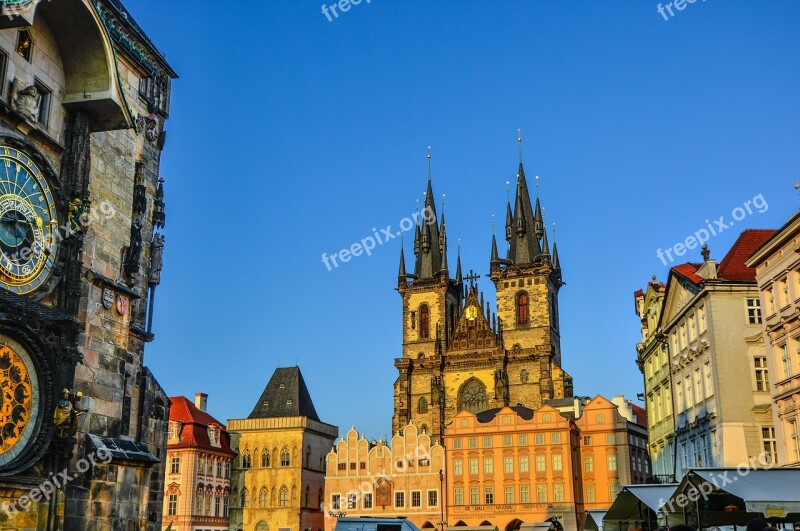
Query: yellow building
point(509, 466)
point(278, 477)
point(777, 267)
point(457, 354)
point(199, 456)
point(371, 478)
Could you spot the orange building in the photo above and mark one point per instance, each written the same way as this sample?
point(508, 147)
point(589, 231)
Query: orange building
point(508, 466)
point(197, 481)
point(371, 478)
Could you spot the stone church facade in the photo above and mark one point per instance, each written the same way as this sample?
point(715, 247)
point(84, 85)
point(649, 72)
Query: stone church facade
point(458, 355)
point(83, 103)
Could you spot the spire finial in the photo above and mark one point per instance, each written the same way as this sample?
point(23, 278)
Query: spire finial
point(443, 197)
point(429, 163)
point(537, 187)
point(519, 141)
point(493, 223)
point(508, 191)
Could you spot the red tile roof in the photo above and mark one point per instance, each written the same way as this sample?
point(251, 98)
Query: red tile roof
point(195, 423)
point(640, 412)
point(688, 270)
point(732, 266)
point(638, 293)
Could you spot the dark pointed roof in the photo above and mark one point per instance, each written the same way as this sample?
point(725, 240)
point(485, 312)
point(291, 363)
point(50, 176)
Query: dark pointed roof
point(402, 273)
point(495, 258)
point(286, 395)
point(429, 255)
point(556, 262)
point(459, 278)
point(524, 243)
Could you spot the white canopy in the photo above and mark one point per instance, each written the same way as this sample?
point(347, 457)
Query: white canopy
point(771, 492)
point(594, 519)
point(626, 506)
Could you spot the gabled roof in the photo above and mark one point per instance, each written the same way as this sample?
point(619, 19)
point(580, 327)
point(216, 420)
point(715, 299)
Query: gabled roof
point(286, 395)
point(194, 429)
point(733, 265)
point(688, 271)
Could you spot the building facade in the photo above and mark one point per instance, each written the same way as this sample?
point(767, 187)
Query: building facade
point(777, 267)
point(513, 465)
point(198, 463)
point(83, 102)
point(457, 354)
point(711, 322)
point(371, 478)
point(653, 361)
point(278, 477)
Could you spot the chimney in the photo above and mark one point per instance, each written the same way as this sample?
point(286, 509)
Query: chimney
point(201, 401)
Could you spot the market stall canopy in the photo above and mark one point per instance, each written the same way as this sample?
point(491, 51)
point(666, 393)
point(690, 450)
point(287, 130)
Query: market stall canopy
point(633, 500)
point(594, 519)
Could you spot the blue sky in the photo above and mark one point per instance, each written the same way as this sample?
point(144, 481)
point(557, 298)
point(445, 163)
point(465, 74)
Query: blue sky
point(291, 136)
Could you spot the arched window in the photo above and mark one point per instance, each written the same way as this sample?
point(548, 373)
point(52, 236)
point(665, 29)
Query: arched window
point(246, 459)
point(308, 456)
point(320, 497)
point(424, 321)
point(264, 458)
point(472, 396)
point(285, 458)
point(307, 499)
point(283, 497)
point(263, 498)
point(522, 308)
point(423, 405)
point(523, 376)
point(244, 497)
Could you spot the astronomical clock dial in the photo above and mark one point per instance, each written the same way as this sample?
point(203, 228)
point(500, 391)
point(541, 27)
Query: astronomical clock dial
point(28, 223)
point(19, 399)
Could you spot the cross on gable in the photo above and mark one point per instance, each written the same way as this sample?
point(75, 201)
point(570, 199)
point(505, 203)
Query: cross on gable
point(472, 277)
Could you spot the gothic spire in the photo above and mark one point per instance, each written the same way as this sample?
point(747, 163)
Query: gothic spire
point(429, 257)
point(545, 245)
point(459, 278)
point(556, 262)
point(524, 243)
point(443, 244)
point(509, 222)
point(402, 273)
point(495, 257)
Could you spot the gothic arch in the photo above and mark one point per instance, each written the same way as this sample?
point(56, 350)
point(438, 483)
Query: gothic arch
point(265, 458)
point(472, 396)
point(423, 405)
point(522, 301)
point(286, 459)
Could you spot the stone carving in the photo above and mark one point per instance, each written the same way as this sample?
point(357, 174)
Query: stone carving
point(156, 259)
point(66, 414)
point(501, 385)
point(26, 101)
point(148, 124)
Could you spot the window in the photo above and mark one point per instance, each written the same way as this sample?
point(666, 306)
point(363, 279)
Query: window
point(243, 500)
point(488, 465)
point(546, 417)
point(473, 496)
point(541, 493)
point(336, 501)
point(709, 379)
point(509, 499)
point(245, 461)
point(44, 104)
point(458, 496)
point(589, 493)
point(687, 385)
point(770, 296)
point(698, 386)
point(522, 308)
point(25, 45)
point(424, 321)
point(416, 498)
point(508, 465)
point(692, 333)
point(768, 441)
point(227, 470)
point(784, 295)
point(682, 330)
point(600, 419)
point(285, 459)
point(473, 466)
point(555, 438)
point(473, 442)
point(523, 376)
point(172, 507)
point(537, 438)
point(557, 463)
point(488, 495)
point(456, 444)
point(225, 506)
point(487, 442)
point(612, 491)
point(523, 440)
point(265, 458)
point(679, 395)
point(352, 501)
point(701, 319)
point(433, 498)
point(283, 497)
point(507, 440)
point(524, 494)
point(588, 464)
point(754, 311)
point(541, 465)
point(458, 467)
point(611, 438)
point(175, 466)
point(794, 440)
point(217, 506)
point(785, 361)
point(612, 463)
point(762, 376)
point(523, 463)
point(423, 405)
point(587, 440)
point(263, 498)
point(367, 500)
point(558, 492)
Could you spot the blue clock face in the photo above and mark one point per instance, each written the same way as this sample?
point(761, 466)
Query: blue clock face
point(28, 223)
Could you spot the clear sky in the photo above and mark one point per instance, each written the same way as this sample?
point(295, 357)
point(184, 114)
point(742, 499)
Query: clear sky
point(291, 136)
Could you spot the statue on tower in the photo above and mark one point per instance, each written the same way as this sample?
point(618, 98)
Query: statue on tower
point(501, 386)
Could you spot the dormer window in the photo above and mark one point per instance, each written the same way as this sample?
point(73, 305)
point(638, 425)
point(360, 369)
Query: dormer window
point(25, 45)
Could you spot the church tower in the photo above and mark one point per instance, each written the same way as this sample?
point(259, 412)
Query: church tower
point(457, 354)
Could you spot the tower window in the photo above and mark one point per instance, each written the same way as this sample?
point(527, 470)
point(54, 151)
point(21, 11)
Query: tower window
point(523, 376)
point(25, 45)
point(522, 308)
point(423, 405)
point(424, 321)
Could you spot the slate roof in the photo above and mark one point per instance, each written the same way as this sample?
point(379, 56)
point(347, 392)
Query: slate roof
point(489, 415)
point(286, 395)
